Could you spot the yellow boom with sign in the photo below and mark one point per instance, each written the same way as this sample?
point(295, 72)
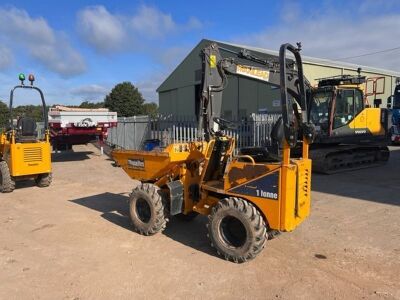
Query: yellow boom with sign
point(247, 198)
point(22, 154)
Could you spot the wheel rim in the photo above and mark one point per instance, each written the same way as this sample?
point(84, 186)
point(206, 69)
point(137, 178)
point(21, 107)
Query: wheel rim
point(233, 232)
point(143, 210)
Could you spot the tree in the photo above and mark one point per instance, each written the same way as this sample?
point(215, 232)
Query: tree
point(87, 104)
point(150, 109)
point(32, 111)
point(3, 114)
point(125, 99)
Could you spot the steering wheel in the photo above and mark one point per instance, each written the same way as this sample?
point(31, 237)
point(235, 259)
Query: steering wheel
point(224, 124)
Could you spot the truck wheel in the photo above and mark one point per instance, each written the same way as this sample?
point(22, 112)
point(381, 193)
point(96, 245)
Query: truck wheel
point(44, 180)
point(236, 229)
point(147, 209)
point(7, 183)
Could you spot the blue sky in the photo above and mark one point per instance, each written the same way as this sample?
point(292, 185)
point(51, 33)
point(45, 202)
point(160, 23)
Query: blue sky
point(78, 50)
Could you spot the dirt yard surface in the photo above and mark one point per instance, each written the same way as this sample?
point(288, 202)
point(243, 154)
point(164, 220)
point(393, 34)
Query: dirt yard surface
point(73, 240)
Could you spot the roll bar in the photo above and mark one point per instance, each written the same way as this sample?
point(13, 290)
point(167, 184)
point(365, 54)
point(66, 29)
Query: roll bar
point(290, 131)
point(44, 110)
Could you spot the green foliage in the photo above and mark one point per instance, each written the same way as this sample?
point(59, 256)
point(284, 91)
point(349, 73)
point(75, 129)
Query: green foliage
point(32, 111)
point(91, 105)
point(3, 114)
point(125, 99)
point(150, 109)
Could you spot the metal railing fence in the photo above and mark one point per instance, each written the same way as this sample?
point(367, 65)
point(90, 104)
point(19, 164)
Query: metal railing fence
point(132, 133)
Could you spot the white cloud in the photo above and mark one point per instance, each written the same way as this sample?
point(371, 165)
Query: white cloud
point(47, 46)
point(149, 85)
point(336, 34)
point(18, 24)
point(92, 92)
point(172, 56)
point(109, 32)
point(290, 11)
point(60, 58)
point(101, 29)
point(151, 22)
point(6, 57)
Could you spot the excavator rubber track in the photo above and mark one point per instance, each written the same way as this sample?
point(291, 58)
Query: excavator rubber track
point(344, 158)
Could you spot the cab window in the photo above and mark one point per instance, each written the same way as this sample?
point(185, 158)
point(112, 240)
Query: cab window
point(319, 113)
point(344, 108)
point(358, 102)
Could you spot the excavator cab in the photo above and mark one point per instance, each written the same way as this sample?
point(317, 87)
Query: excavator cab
point(335, 104)
point(23, 154)
point(320, 110)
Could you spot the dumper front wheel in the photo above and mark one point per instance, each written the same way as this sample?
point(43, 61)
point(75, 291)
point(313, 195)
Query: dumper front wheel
point(147, 209)
point(237, 230)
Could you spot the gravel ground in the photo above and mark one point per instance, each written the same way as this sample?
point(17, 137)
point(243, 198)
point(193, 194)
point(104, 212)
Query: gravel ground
point(73, 240)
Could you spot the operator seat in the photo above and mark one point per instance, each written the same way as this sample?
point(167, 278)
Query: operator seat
point(270, 153)
point(26, 130)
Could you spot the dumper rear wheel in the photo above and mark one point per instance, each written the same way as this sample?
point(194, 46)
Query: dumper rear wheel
point(7, 183)
point(147, 209)
point(44, 180)
point(237, 230)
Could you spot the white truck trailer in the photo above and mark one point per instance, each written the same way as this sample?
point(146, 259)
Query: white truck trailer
point(76, 126)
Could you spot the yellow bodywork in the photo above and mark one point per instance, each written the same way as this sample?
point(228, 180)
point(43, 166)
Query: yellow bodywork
point(292, 204)
point(369, 119)
point(147, 166)
point(188, 163)
point(25, 159)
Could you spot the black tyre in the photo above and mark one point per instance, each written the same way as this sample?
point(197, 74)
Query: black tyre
point(44, 180)
point(147, 209)
point(7, 183)
point(237, 230)
point(188, 217)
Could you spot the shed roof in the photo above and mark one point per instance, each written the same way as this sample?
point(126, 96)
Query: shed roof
point(320, 61)
point(306, 59)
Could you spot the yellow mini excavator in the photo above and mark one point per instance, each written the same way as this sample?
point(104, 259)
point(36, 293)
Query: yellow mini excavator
point(22, 154)
point(246, 200)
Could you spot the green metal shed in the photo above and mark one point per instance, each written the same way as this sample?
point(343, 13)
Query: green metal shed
point(179, 93)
